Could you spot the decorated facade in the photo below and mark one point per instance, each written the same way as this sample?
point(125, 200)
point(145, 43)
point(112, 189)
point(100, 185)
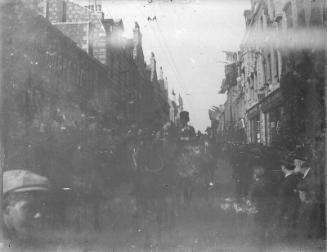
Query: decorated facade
point(280, 74)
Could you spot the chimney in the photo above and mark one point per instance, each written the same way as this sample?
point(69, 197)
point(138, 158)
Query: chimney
point(166, 88)
point(166, 83)
point(153, 65)
point(161, 74)
point(137, 36)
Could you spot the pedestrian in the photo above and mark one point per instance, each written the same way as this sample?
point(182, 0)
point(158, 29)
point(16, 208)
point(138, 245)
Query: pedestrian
point(288, 201)
point(186, 140)
point(260, 195)
point(307, 220)
point(186, 132)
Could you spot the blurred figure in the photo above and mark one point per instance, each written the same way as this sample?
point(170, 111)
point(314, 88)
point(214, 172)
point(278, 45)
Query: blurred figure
point(208, 161)
point(25, 204)
point(288, 201)
point(186, 132)
point(298, 161)
point(308, 215)
point(242, 171)
point(186, 139)
point(260, 195)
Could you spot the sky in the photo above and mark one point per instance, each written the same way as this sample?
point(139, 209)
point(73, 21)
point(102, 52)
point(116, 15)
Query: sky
point(188, 38)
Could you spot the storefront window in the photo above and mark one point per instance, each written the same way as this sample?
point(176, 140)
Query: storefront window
point(274, 124)
point(255, 129)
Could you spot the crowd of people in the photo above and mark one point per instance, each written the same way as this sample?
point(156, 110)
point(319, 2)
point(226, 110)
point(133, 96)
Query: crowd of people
point(280, 185)
point(168, 164)
point(287, 196)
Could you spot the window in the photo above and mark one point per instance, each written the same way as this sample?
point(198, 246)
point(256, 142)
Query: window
point(255, 129)
point(301, 13)
point(47, 9)
point(288, 13)
point(276, 64)
point(64, 11)
point(274, 124)
point(267, 128)
point(269, 68)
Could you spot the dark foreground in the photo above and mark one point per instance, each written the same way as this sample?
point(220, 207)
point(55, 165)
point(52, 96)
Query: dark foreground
point(201, 226)
point(199, 231)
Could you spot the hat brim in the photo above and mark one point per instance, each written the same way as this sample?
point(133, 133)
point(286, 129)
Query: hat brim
point(31, 188)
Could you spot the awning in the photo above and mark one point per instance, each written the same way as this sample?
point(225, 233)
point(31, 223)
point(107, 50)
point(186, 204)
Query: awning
point(272, 100)
point(254, 111)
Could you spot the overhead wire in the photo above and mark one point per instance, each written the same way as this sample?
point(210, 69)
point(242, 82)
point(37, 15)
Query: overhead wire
point(162, 42)
point(177, 72)
point(161, 45)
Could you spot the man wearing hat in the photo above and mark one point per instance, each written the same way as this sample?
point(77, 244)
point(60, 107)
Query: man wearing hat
point(308, 225)
point(306, 184)
point(186, 132)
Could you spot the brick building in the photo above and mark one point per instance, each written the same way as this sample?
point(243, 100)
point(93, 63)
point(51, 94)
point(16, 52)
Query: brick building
point(63, 106)
point(141, 96)
point(58, 99)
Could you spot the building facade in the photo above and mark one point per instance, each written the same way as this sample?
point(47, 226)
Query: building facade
point(141, 97)
point(277, 68)
point(282, 76)
point(232, 126)
point(65, 110)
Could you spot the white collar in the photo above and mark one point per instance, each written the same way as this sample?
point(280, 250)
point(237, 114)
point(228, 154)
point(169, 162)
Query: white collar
point(288, 174)
point(306, 172)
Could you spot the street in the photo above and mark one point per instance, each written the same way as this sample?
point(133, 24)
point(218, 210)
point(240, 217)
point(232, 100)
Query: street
point(157, 125)
point(204, 226)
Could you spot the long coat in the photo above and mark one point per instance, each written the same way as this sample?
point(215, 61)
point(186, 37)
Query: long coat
point(288, 201)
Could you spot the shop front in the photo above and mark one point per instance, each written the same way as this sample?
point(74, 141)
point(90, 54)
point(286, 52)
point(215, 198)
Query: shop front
point(273, 112)
point(253, 129)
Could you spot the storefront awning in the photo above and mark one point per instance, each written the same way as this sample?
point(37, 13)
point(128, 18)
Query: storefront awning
point(254, 111)
point(272, 100)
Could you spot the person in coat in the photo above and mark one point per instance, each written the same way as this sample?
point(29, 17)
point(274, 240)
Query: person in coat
point(260, 195)
point(307, 220)
point(288, 201)
point(186, 132)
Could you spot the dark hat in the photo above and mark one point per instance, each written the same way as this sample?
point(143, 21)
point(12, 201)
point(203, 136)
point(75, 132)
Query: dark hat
point(300, 157)
point(305, 164)
point(184, 115)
